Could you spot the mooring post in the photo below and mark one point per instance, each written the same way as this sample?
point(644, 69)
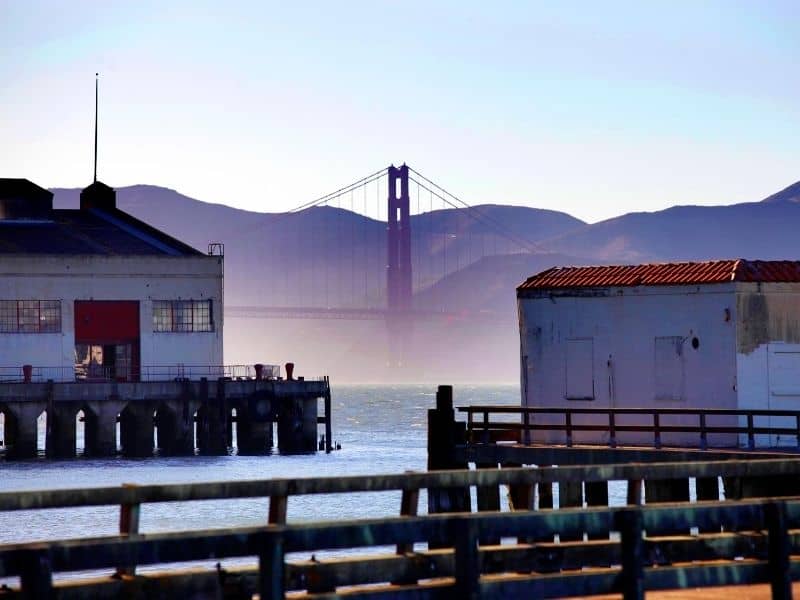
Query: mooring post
point(328, 427)
point(443, 435)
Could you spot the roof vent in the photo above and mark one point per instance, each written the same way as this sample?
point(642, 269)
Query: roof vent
point(99, 195)
point(23, 200)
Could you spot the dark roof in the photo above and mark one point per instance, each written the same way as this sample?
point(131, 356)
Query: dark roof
point(30, 225)
point(23, 199)
point(25, 188)
point(88, 232)
point(685, 273)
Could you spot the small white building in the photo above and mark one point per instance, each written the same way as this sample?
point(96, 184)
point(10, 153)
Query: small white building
point(717, 334)
point(94, 293)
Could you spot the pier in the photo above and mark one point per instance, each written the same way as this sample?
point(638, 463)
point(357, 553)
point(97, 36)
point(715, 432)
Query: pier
point(173, 417)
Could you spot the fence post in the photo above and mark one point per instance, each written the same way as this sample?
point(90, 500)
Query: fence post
point(271, 567)
point(612, 429)
point(485, 437)
point(657, 429)
point(526, 432)
point(277, 509)
point(467, 559)
point(797, 426)
point(36, 576)
point(634, 492)
point(568, 424)
point(779, 569)
point(129, 513)
point(409, 504)
point(703, 433)
point(629, 523)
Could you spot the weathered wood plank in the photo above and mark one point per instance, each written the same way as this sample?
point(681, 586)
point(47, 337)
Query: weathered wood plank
point(779, 469)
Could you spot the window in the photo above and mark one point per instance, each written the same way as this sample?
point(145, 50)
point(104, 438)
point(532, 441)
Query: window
point(669, 371)
point(182, 315)
point(30, 316)
point(580, 369)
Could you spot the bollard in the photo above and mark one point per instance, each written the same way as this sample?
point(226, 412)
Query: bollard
point(289, 371)
point(27, 373)
point(259, 371)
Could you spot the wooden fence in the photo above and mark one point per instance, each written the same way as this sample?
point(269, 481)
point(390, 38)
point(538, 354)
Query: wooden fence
point(632, 548)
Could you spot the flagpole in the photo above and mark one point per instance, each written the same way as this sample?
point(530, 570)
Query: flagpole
point(96, 77)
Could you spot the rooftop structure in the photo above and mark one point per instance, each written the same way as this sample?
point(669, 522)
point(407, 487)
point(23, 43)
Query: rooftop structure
point(94, 293)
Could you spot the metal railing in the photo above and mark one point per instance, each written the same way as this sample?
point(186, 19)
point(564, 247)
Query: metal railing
point(486, 430)
point(102, 374)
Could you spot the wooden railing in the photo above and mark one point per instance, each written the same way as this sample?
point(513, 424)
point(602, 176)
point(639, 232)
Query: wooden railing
point(481, 428)
point(760, 531)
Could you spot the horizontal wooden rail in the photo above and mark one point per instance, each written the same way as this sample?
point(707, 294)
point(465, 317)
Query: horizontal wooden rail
point(482, 429)
point(283, 488)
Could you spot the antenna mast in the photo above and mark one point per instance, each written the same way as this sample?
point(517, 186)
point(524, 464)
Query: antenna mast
point(96, 77)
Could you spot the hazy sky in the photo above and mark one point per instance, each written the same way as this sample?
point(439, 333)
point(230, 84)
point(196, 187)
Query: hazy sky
point(593, 108)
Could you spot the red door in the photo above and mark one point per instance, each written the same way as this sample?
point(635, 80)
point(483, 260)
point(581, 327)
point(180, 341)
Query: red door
point(107, 339)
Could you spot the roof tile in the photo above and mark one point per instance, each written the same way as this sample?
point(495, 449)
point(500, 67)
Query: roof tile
point(683, 273)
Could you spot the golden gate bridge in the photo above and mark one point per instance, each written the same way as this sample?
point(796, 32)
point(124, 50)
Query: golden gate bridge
point(380, 248)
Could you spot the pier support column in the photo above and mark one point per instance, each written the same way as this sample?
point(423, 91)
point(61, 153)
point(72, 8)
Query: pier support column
point(174, 431)
point(61, 434)
point(23, 444)
point(297, 425)
point(253, 437)
point(100, 426)
point(212, 420)
point(254, 424)
point(136, 429)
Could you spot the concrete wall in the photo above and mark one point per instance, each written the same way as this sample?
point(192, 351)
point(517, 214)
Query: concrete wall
point(142, 278)
point(617, 328)
point(768, 352)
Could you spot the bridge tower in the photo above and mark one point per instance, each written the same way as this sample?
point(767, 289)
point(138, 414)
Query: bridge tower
point(398, 272)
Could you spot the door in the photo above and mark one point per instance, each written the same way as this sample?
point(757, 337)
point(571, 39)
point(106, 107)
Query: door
point(107, 340)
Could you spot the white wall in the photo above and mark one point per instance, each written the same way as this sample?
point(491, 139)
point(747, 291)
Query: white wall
point(142, 278)
point(623, 324)
point(768, 353)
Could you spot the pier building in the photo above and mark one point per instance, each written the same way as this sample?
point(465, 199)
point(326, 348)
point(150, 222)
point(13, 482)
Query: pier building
point(111, 326)
point(721, 334)
point(94, 293)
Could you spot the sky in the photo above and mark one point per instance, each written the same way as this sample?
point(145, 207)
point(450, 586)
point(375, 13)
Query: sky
point(592, 108)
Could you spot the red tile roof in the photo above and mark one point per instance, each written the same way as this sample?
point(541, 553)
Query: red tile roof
point(686, 273)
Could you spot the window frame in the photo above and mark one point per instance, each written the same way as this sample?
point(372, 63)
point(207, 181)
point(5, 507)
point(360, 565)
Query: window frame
point(24, 316)
point(183, 316)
